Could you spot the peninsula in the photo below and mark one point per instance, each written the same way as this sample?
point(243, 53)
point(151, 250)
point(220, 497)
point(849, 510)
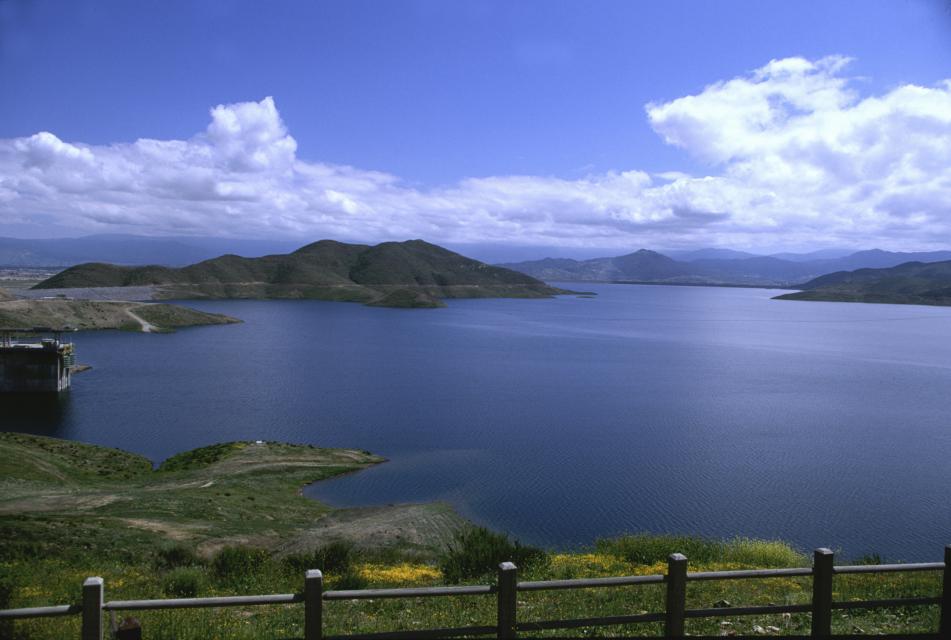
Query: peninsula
point(394, 274)
point(103, 314)
point(909, 283)
point(227, 519)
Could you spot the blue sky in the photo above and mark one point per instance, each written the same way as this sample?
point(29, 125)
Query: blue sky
point(512, 123)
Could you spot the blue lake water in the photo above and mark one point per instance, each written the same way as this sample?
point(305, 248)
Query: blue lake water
point(648, 408)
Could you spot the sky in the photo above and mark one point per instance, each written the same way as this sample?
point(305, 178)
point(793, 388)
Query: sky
point(545, 128)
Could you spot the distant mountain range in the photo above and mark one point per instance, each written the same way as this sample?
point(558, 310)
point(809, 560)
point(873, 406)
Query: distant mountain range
point(128, 249)
point(401, 274)
point(714, 266)
point(909, 283)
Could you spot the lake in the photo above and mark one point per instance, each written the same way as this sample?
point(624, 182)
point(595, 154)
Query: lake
point(712, 411)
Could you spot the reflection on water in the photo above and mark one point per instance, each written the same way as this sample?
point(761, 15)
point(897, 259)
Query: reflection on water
point(42, 414)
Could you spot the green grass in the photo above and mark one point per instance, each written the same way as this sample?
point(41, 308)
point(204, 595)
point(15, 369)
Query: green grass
point(49, 581)
point(227, 520)
point(650, 549)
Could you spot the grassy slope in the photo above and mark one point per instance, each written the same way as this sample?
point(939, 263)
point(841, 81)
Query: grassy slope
point(235, 493)
point(909, 283)
point(94, 314)
point(69, 510)
point(406, 274)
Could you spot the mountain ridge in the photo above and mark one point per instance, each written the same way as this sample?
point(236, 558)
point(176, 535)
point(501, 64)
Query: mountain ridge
point(926, 283)
point(413, 273)
point(767, 271)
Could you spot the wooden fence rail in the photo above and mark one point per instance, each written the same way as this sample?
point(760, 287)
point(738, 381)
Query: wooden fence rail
point(506, 590)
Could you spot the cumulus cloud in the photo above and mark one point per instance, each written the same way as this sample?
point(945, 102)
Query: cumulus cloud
point(796, 157)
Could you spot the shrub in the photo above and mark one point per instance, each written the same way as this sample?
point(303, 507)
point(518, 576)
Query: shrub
point(650, 549)
point(238, 562)
point(645, 548)
point(869, 558)
point(299, 562)
point(175, 554)
point(762, 553)
point(183, 582)
point(350, 579)
point(476, 552)
point(335, 557)
point(6, 595)
point(6, 590)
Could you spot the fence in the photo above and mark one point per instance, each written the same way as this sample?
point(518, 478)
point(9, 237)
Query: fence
point(507, 587)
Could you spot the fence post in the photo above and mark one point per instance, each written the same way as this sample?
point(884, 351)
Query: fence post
point(507, 600)
point(92, 609)
point(313, 604)
point(944, 628)
point(822, 592)
point(676, 595)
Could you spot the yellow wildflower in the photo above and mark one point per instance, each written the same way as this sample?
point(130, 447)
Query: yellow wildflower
point(401, 573)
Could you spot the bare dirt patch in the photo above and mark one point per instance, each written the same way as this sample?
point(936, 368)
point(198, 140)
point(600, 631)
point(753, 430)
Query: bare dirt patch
point(426, 527)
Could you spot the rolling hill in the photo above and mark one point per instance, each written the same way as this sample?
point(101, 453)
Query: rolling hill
point(406, 274)
point(714, 266)
point(909, 283)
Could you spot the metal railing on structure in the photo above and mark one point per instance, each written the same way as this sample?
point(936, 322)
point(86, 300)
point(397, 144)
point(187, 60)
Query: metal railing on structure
point(506, 590)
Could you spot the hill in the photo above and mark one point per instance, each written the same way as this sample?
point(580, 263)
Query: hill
point(715, 266)
point(909, 283)
point(640, 265)
point(97, 314)
point(5, 295)
point(411, 274)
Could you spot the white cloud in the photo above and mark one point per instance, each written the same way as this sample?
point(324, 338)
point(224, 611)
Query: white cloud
point(796, 158)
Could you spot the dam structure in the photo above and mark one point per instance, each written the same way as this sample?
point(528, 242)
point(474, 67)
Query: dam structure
point(37, 364)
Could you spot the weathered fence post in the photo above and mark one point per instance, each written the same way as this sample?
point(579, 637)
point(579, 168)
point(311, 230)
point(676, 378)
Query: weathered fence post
point(92, 609)
point(313, 605)
point(944, 628)
point(822, 560)
point(507, 600)
point(676, 595)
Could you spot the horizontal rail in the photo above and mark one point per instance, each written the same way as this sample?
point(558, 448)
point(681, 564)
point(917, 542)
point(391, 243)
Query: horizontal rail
point(765, 609)
point(888, 568)
point(419, 633)
point(585, 583)
point(506, 588)
point(750, 573)
point(416, 592)
point(189, 603)
point(891, 602)
point(602, 621)
point(41, 612)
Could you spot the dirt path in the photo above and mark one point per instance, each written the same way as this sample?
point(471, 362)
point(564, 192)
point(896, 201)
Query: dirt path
point(147, 327)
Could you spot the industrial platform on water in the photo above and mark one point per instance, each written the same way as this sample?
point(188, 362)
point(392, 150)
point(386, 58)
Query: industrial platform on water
point(30, 363)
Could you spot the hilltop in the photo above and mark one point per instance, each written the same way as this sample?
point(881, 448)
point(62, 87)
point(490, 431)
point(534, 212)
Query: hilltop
point(714, 266)
point(98, 314)
point(909, 283)
point(405, 274)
